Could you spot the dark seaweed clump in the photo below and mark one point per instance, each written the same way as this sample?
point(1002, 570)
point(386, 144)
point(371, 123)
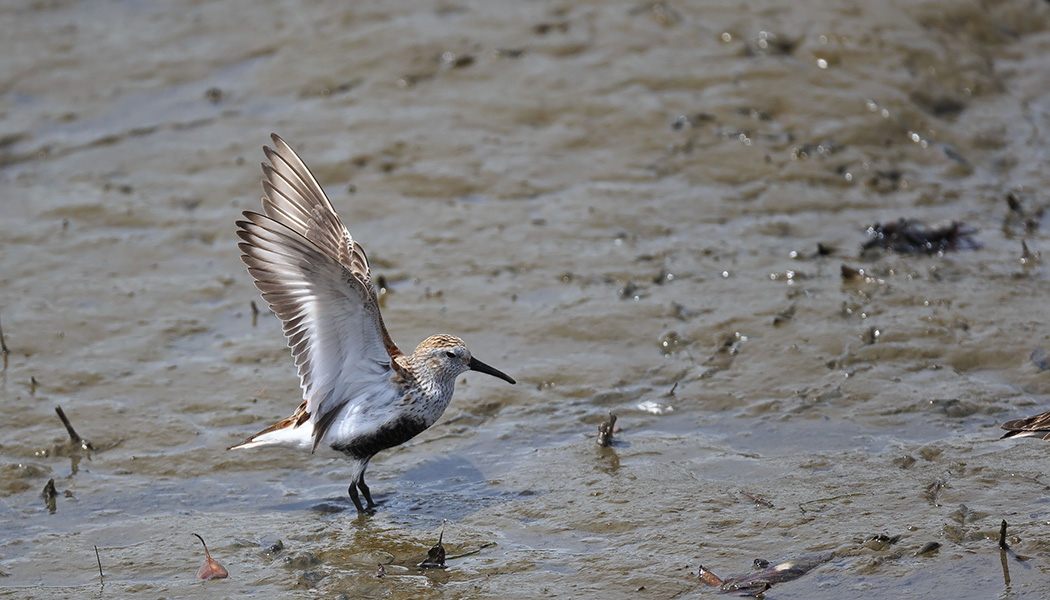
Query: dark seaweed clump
point(907, 236)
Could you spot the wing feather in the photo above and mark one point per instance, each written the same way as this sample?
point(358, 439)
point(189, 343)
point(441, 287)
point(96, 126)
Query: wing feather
point(315, 278)
point(1035, 426)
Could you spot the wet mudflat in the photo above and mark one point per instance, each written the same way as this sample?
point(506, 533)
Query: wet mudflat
point(660, 211)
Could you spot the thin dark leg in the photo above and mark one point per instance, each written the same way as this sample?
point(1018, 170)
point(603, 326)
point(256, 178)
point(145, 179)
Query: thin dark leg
point(364, 490)
point(357, 501)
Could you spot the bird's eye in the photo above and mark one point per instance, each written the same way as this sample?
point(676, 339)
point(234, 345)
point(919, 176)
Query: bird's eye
point(450, 354)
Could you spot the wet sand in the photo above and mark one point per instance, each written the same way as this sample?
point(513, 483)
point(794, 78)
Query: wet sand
point(634, 208)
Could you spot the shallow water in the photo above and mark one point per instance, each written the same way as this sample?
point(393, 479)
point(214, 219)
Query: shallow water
point(618, 204)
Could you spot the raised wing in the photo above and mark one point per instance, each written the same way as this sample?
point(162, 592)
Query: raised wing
point(315, 278)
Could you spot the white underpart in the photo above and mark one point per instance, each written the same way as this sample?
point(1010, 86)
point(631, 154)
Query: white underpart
point(300, 438)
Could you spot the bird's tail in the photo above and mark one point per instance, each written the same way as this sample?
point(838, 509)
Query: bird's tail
point(286, 432)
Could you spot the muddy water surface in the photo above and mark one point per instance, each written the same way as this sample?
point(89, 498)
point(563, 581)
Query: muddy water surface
point(633, 208)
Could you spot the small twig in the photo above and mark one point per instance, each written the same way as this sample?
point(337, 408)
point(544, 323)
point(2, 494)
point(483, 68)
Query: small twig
point(472, 552)
point(801, 505)
point(255, 313)
point(73, 437)
point(757, 500)
point(99, 566)
point(436, 555)
point(3, 344)
point(1002, 537)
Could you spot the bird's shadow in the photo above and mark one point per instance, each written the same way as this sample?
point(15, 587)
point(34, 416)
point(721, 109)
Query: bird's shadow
point(447, 487)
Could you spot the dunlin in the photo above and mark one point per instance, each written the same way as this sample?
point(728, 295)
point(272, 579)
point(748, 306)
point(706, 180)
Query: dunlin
point(1037, 426)
point(361, 394)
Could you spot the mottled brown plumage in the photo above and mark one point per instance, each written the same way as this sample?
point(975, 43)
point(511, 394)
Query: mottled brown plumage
point(361, 394)
point(1035, 426)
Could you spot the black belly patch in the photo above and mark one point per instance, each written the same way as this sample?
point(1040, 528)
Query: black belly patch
point(388, 436)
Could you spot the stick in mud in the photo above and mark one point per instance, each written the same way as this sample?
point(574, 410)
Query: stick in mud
point(255, 313)
point(1004, 552)
point(99, 566)
point(73, 437)
point(3, 344)
point(436, 555)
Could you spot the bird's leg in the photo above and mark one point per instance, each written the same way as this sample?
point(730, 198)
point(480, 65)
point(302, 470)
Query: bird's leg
point(364, 490)
point(357, 501)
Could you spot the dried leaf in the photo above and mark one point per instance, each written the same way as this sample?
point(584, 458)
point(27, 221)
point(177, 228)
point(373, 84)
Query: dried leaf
point(210, 569)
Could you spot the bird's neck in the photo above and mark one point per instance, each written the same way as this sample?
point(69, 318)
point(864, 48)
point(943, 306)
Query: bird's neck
point(433, 391)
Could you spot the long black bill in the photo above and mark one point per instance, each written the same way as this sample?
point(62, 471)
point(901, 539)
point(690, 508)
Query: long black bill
point(480, 367)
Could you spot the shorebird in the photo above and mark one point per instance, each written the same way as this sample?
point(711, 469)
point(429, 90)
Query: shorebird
point(1037, 426)
point(361, 394)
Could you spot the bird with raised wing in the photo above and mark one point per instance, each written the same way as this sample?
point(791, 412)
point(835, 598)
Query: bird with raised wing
point(361, 394)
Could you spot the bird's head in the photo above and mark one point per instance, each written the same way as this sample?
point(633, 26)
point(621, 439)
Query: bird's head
point(446, 357)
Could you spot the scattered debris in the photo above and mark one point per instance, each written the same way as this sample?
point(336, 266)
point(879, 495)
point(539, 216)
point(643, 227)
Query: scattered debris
point(709, 578)
point(784, 316)
point(436, 555)
point(210, 569)
point(927, 548)
point(606, 430)
point(1028, 219)
point(758, 500)
point(659, 12)
point(655, 408)
point(671, 343)
point(273, 549)
point(754, 584)
point(934, 489)
point(213, 95)
point(545, 28)
point(853, 274)
point(872, 335)
point(49, 495)
point(74, 438)
point(880, 541)
point(907, 236)
point(1028, 257)
point(769, 44)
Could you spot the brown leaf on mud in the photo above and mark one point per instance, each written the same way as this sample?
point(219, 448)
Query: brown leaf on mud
point(210, 569)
